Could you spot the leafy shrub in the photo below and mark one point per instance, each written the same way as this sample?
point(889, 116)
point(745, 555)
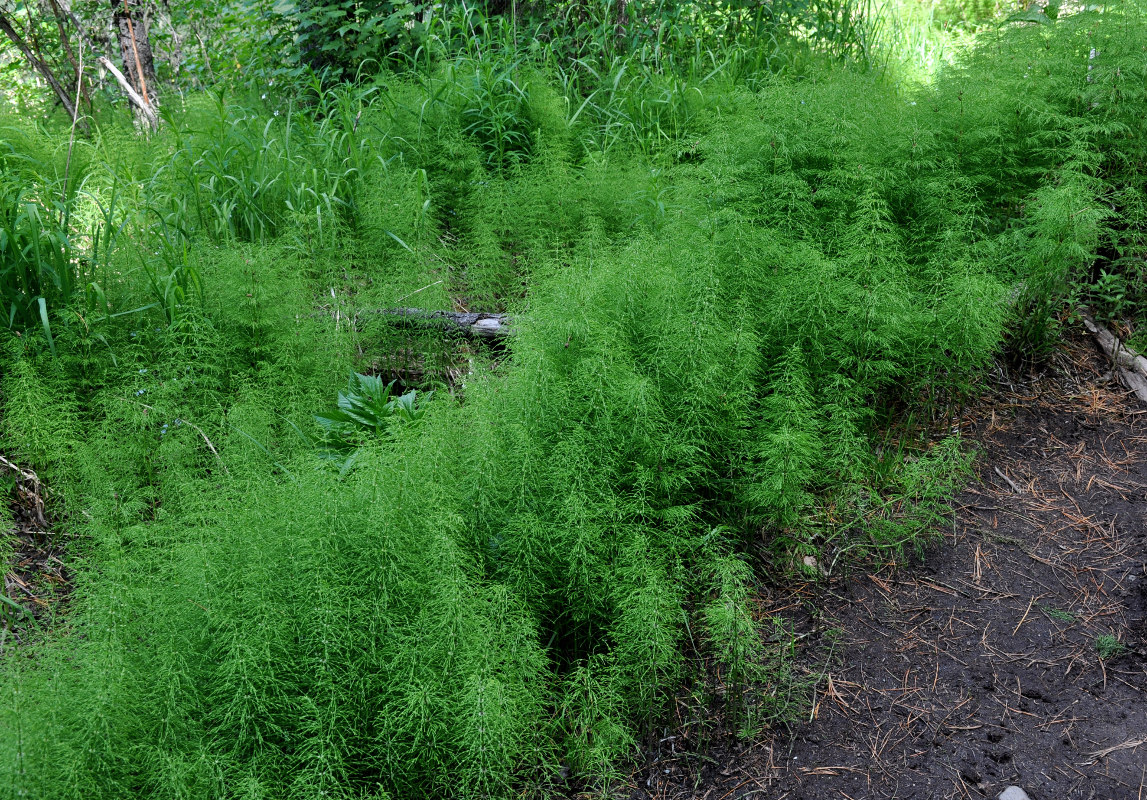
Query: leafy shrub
point(337, 37)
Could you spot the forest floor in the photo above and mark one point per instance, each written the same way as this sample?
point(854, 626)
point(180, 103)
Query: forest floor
point(981, 666)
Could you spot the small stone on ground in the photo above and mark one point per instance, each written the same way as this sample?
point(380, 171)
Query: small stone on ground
point(1013, 793)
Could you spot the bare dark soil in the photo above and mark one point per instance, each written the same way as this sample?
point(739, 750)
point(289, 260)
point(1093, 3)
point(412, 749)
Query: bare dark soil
point(984, 665)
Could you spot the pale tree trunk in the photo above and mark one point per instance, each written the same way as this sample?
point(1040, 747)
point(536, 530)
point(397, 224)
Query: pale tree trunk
point(143, 109)
point(99, 41)
point(131, 26)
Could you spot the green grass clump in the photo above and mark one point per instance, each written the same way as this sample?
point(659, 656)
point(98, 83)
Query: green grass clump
point(745, 309)
point(1108, 646)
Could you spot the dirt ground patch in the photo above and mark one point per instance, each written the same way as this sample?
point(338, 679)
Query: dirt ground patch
point(1016, 653)
point(35, 575)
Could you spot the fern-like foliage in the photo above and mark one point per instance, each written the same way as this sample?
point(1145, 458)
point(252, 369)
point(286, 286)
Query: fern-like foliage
point(740, 303)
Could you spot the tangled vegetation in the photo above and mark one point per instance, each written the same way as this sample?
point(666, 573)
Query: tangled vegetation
point(745, 301)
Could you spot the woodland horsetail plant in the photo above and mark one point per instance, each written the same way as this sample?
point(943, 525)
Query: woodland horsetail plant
point(743, 303)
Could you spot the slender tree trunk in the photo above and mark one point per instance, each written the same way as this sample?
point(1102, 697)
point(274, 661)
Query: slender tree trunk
point(49, 9)
point(135, 48)
point(61, 15)
point(137, 44)
point(38, 64)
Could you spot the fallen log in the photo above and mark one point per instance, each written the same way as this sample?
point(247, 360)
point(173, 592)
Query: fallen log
point(464, 323)
point(1129, 365)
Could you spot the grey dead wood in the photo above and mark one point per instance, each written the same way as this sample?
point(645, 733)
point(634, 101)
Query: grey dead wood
point(1129, 365)
point(471, 324)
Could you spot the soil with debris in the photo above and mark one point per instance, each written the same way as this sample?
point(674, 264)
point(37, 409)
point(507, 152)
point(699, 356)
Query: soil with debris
point(1015, 654)
point(36, 581)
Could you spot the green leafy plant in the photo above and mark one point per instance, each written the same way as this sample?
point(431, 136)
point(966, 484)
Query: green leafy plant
point(174, 281)
point(366, 409)
point(494, 104)
point(336, 37)
point(1138, 342)
point(1058, 614)
point(1110, 292)
point(36, 260)
point(1108, 646)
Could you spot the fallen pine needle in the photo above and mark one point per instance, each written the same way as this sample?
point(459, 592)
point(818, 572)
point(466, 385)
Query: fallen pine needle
point(1025, 616)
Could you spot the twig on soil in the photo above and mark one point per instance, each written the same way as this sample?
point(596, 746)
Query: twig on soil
point(1093, 758)
point(941, 587)
point(735, 788)
point(1024, 618)
point(1010, 482)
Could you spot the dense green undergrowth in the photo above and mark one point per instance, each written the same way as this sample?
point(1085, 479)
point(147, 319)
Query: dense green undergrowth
point(741, 315)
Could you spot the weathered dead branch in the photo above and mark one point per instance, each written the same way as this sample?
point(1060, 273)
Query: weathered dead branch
point(470, 324)
point(1129, 365)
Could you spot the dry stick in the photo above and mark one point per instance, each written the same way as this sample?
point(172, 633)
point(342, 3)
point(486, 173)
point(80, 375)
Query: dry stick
point(416, 291)
point(1011, 483)
point(37, 488)
point(1130, 744)
point(27, 475)
point(197, 429)
point(144, 108)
